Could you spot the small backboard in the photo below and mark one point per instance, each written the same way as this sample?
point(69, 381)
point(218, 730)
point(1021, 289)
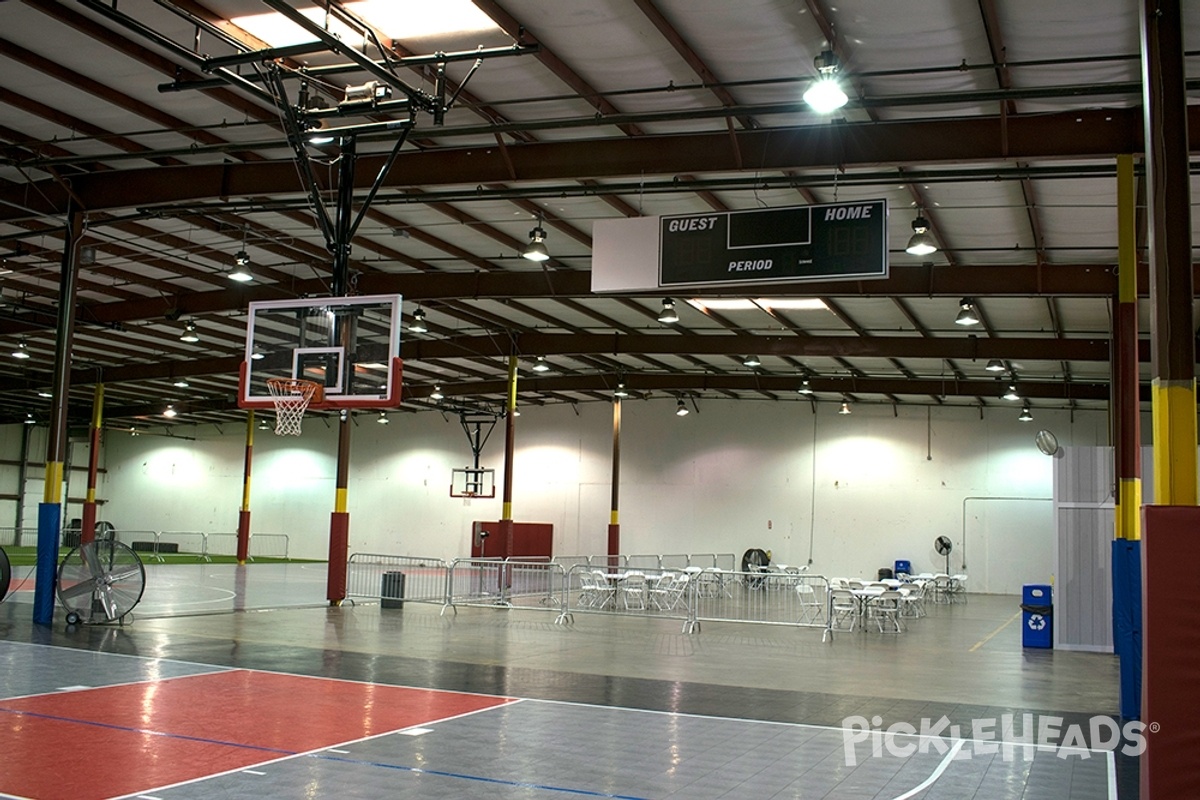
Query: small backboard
point(473, 482)
point(348, 345)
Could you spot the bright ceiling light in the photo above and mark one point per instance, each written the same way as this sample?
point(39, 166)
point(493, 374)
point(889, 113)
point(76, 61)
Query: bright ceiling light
point(540, 365)
point(189, 334)
point(536, 249)
point(1026, 414)
point(21, 350)
point(402, 21)
point(418, 322)
point(966, 313)
point(1011, 393)
point(748, 304)
point(621, 391)
point(29, 420)
point(436, 394)
point(383, 418)
point(921, 243)
point(825, 94)
point(805, 387)
point(181, 383)
point(845, 409)
point(751, 362)
point(257, 354)
point(170, 412)
point(668, 315)
point(241, 268)
point(995, 365)
point(681, 410)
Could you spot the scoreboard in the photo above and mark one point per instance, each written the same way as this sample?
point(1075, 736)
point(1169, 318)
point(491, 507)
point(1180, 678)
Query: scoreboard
point(769, 245)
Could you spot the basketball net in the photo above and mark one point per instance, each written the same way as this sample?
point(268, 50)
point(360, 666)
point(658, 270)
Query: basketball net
point(291, 398)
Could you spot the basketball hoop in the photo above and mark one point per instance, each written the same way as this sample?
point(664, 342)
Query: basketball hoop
point(291, 398)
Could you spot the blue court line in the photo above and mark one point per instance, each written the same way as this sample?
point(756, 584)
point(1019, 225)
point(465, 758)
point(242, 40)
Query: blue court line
point(126, 729)
point(479, 778)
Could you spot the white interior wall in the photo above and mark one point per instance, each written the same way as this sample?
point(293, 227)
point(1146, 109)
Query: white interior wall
point(735, 475)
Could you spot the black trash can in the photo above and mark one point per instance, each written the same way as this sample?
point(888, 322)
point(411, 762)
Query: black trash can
point(392, 592)
point(1037, 603)
point(885, 573)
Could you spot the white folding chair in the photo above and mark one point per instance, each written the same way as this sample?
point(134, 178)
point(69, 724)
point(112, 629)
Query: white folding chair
point(885, 609)
point(811, 609)
point(845, 607)
point(633, 590)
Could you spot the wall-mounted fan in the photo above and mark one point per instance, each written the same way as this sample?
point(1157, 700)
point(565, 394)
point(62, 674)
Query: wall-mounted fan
point(943, 545)
point(1047, 442)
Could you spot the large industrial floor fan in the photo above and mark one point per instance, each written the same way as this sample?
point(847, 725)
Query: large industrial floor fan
point(5, 574)
point(100, 581)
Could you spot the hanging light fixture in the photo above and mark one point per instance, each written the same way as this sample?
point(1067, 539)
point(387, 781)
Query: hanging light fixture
point(263, 425)
point(805, 387)
point(668, 314)
point(536, 249)
point(540, 365)
point(1011, 393)
point(826, 94)
point(258, 354)
point(241, 268)
point(921, 243)
point(418, 322)
point(621, 391)
point(995, 365)
point(29, 420)
point(681, 409)
point(751, 362)
point(180, 383)
point(383, 418)
point(966, 313)
point(189, 333)
point(436, 394)
point(170, 411)
point(845, 409)
point(241, 263)
point(1026, 413)
point(21, 351)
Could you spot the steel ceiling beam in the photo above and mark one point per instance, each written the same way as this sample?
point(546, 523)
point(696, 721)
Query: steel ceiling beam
point(1078, 134)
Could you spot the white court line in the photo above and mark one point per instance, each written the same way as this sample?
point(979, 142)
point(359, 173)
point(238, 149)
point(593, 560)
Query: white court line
point(147, 681)
point(937, 773)
point(1112, 775)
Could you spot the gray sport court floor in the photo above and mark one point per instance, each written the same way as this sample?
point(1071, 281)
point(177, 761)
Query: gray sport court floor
point(608, 707)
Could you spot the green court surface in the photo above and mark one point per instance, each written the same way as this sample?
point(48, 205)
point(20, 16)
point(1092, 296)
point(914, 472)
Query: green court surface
point(27, 557)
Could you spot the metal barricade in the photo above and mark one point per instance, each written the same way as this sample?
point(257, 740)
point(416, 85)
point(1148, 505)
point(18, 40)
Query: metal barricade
point(15, 537)
point(765, 598)
point(140, 542)
point(675, 561)
point(219, 544)
point(508, 583)
point(270, 545)
point(395, 580)
point(643, 593)
point(643, 562)
point(194, 542)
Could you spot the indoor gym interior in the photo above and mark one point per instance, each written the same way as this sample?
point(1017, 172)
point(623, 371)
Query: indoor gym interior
point(155, 152)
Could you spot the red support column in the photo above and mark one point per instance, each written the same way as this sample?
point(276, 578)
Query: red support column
point(243, 529)
point(614, 521)
point(88, 531)
point(339, 522)
point(510, 441)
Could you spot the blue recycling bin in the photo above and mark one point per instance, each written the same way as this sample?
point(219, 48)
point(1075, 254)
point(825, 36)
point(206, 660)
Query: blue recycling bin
point(1037, 619)
point(902, 566)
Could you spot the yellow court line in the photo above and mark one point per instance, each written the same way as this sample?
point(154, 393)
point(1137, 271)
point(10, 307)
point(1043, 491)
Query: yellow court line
point(991, 635)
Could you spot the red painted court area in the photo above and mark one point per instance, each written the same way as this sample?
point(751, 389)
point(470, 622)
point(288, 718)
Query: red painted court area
point(112, 741)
